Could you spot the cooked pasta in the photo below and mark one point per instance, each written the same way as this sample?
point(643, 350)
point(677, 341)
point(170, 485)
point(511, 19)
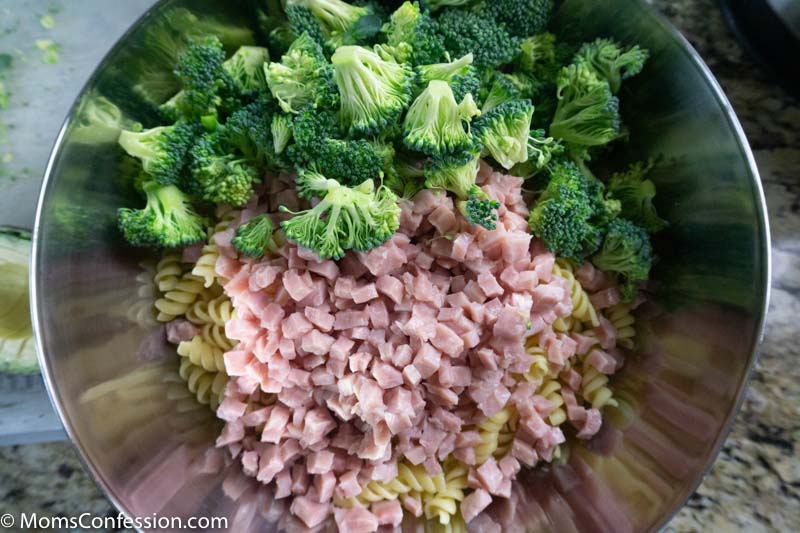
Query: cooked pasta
point(217, 311)
point(207, 356)
point(551, 389)
point(624, 323)
point(489, 430)
point(540, 366)
point(505, 437)
point(410, 479)
point(177, 300)
point(582, 308)
point(208, 387)
point(594, 387)
point(168, 272)
point(443, 505)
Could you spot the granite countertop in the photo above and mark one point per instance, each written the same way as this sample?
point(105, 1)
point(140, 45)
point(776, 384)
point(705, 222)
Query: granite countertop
point(755, 483)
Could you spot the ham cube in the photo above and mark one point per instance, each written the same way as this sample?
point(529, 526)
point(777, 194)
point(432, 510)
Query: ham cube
point(391, 287)
point(355, 520)
point(297, 285)
point(427, 360)
point(325, 484)
point(295, 326)
point(386, 375)
point(447, 341)
point(364, 293)
point(388, 513)
point(311, 513)
point(474, 503)
point(489, 475)
point(317, 343)
point(489, 285)
point(320, 317)
point(320, 462)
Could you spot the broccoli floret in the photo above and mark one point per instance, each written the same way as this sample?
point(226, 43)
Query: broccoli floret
point(627, 252)
point(435, 122)
point(566, 215)
point(537, 52)
point(218, 175)
point(635, 193)
point(309, 128)
point(503, 90)
point(411, 36)
point(254, 237)
point(541, 150)
point(457, 173)
point(504, 131)
point(303, 77)
point(359, 218)
point(281, 129)
point(100, 121)
point(521, 17)
point(611, 62)
point(202, 77)
point(168, 220)
point(587, 112)
point(246, 69)
point(162, 150)
point(302, 20)
point(373, 92)
point(249, 131)
point(436, 5)
point(479, 209)
point(340, 22)
point(462, 76)
point(477, 32)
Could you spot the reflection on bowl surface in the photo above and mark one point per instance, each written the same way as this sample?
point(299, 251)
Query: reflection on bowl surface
point(151, 445)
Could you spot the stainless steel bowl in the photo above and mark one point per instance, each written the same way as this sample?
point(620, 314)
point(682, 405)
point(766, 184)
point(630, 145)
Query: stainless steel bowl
point(150, 447)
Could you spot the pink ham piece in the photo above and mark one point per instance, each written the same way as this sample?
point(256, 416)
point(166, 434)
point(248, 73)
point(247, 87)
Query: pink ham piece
point(388, 513)
point(355, 520)
point(474, 503)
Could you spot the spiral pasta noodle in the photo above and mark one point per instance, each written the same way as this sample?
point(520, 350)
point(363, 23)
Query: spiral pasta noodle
point(582, 308)
point(217, 311)
point(551, 389)
point(208, 387)
point(594, 387)
point(444, 504)
point(207, 356)
point(624, 323)
point(177, 301)
point(489, 430)
point(540, 366)
point(139, 308)
point(410, 478)
point(168, 272)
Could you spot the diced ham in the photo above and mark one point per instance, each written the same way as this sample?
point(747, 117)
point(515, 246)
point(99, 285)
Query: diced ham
point(295, 326)
point(297, 285)
point(489, 285)
point(386, 375)
point(364, 293)
point(388, 513)
point(317, 343)
point(602, 361)
point(350, 319)
point(474, 503)
point(447, 341)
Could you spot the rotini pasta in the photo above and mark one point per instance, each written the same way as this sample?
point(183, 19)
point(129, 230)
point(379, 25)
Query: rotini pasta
point(217, 311)
point(168, 272)
point(594, 387)
point(410, 479)
point(540, 367)
point(582, 308)
point(624, 323)
point(489, 430)
point(176, 301)
point(551, 389)
point(208, 387)
point(207, 356)
point(443, 505)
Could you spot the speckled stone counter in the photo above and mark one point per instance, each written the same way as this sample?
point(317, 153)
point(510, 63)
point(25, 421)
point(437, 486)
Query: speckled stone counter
point(755, 484)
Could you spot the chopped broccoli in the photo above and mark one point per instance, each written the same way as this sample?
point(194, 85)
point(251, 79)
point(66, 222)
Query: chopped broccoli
point(504, 131)
point(219, 175)
point(568, 215)
point(435, 122)
point(457, 174)
point(168, 220)
point(100, 121)
point(536, 52)
point(302, 20)
point(340, 22)
point(246, 69)
point(249, 131)
point(627, 252)
point(610, 62)
point(202, 76)
point(309, 128)
point(254, 237)
point(477, 32)
point(405, 178)
point(303, 77)
point(162, 150)
point(587, 112)
point(541, 150)
point(435, 5)
point(281, 129)
point(359, 218)
point(411, 36)
point(460, 74)
point(503, 90)
point(373, 92)
point(635, 193)
point(522, 17)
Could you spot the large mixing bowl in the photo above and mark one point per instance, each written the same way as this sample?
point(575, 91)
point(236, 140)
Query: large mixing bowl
point(150, 446)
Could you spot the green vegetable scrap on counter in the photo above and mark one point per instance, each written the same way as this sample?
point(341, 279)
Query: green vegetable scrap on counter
point(369, 106)
point(17, 347)
point(50, 50)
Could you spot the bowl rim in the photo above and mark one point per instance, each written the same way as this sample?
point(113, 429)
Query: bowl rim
point(660, 20)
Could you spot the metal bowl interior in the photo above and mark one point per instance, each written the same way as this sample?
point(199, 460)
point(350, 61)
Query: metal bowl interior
point(114, 383)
